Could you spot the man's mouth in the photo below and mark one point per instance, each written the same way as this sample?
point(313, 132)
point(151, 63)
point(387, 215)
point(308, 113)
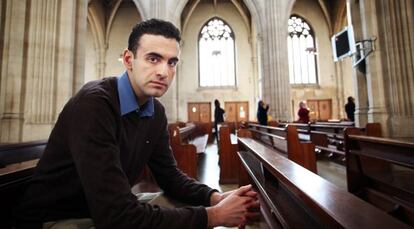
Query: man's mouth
point(158, 84)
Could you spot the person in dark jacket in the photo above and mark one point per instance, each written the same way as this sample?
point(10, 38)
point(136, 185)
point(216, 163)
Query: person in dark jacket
point(262, 109)
point(218, 116)
point(350, 109)
point(105, 136)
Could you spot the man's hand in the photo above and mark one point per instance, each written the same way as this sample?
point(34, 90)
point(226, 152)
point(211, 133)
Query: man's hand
point(216, 197)
point(233, 208)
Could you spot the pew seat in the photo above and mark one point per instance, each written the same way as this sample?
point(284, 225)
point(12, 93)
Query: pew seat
point(200, 142)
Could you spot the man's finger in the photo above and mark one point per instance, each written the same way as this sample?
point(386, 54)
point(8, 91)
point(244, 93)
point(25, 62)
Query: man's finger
point(251, 193)
point(243, 189)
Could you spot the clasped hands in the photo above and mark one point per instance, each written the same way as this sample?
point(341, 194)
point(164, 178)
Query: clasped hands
point(233, 208)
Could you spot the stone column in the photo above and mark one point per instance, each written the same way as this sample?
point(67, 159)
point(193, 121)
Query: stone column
point(101, 61)
point(374, 73)
point(42, 61)
point(393, 86)
point(170, 98)
point(13, 68)
point(275, 73)
point(359, 78)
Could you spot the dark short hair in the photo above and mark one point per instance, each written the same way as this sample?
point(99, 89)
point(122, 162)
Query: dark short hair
point(216, 103)
point(153, 27)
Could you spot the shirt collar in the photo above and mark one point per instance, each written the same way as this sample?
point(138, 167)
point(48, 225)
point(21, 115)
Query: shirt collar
point(128, 101)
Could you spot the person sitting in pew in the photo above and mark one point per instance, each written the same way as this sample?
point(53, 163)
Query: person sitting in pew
point(102, 140)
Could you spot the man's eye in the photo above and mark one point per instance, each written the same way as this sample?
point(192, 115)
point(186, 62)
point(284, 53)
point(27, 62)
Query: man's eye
point(172, 63)
point(153, 59)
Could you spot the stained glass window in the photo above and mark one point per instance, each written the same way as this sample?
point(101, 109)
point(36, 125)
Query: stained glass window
point(216, 54)
point(301, 52)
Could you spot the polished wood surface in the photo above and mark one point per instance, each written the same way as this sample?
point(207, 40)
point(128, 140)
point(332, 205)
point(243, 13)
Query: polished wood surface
point(381, 171)
point(286, 141)
point(294, 197)
point(18, 161)
point(228, 159)
point(12, 153)
point(185, 154)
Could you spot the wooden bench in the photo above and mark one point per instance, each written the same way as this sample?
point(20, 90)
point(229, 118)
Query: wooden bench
point(185, 154)
point(186, 142)
point(18, 164)
point(381, 172)
point(293, 197)
point(333, 143)
point(228, 160)
point(329, 137)
point(286, 141)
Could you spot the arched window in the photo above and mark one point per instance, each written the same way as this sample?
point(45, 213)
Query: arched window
point(216, 54)
point(301, 51)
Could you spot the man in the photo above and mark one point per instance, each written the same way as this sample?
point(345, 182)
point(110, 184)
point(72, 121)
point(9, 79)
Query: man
point(104, 137)
point(350, 109)
point(262, 110)
point(218, 117)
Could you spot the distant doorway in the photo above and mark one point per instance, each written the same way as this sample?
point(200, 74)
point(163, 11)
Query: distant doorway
point(237, 111)
point(199, 112)
point(320, 109)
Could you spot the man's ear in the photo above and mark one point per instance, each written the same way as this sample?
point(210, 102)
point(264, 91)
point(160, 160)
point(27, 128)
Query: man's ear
point(127, 58)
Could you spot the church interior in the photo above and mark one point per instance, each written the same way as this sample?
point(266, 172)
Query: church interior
point(239, 52)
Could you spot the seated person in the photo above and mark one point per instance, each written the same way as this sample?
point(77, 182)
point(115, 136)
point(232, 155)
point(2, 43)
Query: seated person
point(104, 137)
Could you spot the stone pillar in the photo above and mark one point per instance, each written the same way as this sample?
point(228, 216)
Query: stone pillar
point(13, 68)
point(42, 63)
point(101, 62)
point(81, 10)
point(275, 86)
point(158, 9)
point(393, 86)
point(377, 111)
point(170, 99)
point(359, 78)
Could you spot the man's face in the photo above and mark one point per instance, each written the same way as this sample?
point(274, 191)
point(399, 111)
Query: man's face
point(153, 68)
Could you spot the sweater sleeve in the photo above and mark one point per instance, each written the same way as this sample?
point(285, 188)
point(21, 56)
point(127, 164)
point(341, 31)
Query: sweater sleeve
point(95, 152)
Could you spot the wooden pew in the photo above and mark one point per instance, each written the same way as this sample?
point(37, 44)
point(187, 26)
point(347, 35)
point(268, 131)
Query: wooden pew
point(381, 172)
point(185, 154)
point(286, 141)
point(293, 197)
point(19, 161)
point(228, 159)
point(204, 128)
point(332, 142)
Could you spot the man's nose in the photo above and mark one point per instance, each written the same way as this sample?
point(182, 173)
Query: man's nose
point(162, 70)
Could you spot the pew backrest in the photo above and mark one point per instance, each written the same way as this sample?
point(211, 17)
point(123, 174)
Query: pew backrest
point(381, 171)
point(19, 161)
point(293, 197)
point(286, 141)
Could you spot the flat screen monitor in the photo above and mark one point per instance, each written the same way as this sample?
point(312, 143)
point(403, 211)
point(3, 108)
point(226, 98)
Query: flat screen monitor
point(343, 43)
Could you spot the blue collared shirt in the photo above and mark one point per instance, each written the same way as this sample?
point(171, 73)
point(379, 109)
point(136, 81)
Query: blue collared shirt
point(128, 101)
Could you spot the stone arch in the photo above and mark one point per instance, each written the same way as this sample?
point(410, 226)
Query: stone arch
point(250, 4)
point(324, 9)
